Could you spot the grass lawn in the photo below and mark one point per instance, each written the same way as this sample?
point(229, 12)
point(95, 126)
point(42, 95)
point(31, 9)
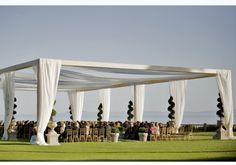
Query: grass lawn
point(200, 147)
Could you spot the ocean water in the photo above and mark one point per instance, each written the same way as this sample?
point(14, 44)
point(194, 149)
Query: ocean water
point(208, 117)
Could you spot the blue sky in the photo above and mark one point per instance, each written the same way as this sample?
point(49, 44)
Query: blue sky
point(202, 37)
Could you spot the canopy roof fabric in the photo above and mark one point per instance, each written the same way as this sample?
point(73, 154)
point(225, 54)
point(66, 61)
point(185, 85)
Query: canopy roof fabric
point(86, 76)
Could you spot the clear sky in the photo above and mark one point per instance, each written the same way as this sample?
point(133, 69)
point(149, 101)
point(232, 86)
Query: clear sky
point(202, 37)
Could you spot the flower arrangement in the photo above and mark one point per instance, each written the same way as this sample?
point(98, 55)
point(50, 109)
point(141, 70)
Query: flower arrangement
point(142, 130)
point(115, 130)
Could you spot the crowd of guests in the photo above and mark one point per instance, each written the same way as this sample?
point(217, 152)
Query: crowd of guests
point(128, 130)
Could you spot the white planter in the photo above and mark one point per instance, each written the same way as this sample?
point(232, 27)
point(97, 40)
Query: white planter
point(114, 137)
point(143, 137)
point(52, 136)
point(52, 125)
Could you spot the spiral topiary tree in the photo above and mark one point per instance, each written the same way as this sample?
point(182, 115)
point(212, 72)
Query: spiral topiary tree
point(220, 113)
point(14, 109)
point(129, 112)
point(71, 117)
point(170, 108)
point(100, 112)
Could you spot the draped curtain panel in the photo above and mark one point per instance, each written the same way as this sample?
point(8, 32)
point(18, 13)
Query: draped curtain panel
point(48, 77)
point(76, 99)
point(138, 99)
point(105, 99)
point(225, 88)
point(9, 94)
point(177, 91)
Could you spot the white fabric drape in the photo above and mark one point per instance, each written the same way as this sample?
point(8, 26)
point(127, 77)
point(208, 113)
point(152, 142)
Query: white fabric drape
point(48, 77)
point(105, 99)
point(138, 99)
point(177, 91)
point(76, 99)
point(225, 88)
point(9, 94)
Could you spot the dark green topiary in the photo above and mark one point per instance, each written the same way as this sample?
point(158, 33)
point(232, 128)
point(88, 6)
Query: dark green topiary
point(14, 107)
point(220, 112)
point(170, 108)
point(71, 117)
point(129, 112)
point(100, 112)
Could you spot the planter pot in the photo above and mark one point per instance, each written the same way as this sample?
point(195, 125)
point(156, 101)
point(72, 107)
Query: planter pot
point(114, 137)
point(143, 137)
point(52, 125)
point(52, 136)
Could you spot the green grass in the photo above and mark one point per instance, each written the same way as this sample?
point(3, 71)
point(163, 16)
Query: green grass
point(200, 147)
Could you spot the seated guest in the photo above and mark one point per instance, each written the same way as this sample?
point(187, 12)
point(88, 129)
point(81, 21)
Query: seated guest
point(87, 126)
point(157, 129)
point(153, 129)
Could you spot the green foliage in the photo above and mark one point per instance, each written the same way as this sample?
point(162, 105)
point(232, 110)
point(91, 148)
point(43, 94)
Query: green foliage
point(142, 130)
point(121, 129)
point(100, 109)
point(54, 112)
point(129, 112)
point(115, 130)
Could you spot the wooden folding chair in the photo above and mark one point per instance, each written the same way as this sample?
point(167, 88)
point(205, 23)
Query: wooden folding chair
point(153, 137)
point(101, 135)
point(108, 135)
point(89, 136)
point(69, 135)
point(95, 134)
point(163, 133)
point(75, 135)
point(82, 134)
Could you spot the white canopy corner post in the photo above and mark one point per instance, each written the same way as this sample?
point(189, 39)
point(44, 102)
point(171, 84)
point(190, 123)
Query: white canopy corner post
point(9, 94)
point(105, 99)
point(76, 99)
point(177, 91)
point(48, 72)
point(225, 88)
point(138, 99)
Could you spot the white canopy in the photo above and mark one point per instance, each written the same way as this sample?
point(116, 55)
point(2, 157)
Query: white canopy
point(50, 76)
point(85, 76)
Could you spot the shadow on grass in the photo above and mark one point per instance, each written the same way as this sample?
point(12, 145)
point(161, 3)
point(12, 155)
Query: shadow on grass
point(167, 160)
point(136, 160)
point(14, 143)
point(120, 152)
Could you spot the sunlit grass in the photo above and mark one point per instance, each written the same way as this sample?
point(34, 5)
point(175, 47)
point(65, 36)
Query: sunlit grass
point(200, 147)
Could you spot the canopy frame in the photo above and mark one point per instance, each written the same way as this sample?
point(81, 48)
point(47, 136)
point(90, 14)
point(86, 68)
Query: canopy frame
point(173, 74)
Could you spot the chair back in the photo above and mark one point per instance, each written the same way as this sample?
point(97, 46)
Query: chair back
point(95, 131)
point(82, 131)
point(101, 131)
